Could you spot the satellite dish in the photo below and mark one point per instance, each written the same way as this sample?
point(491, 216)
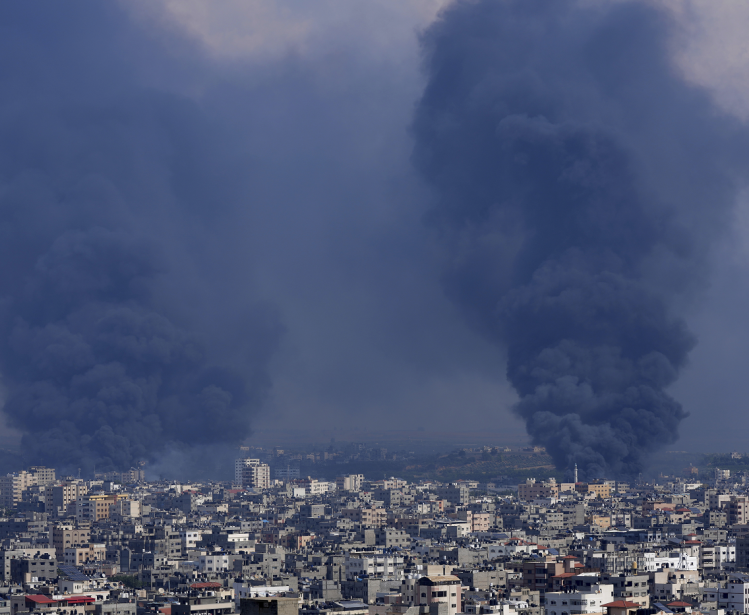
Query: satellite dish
point(161, 590)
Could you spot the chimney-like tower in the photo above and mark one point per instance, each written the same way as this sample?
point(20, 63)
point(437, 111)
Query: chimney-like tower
point(576, 474)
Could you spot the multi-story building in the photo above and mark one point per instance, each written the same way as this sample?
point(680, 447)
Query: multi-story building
point(377, 565)
point(531, 490)
point(68, 536)
point(735, 595)
point(94, 508)
point(44, 476)
point(133, 475)
point(456, 494)
point(722, 474)
point(12, 487)
point(57, 498)
point(601, 490)
point(537, 575)
point(190, 539)
point(738, 510)
point(350, 482)
point(286, 473)
point(629, 587)
point(369, 517)
point(430, 590)
point(252, 473)
point(579, 602)
point(123, 509)
point(717, 556)
point(213, 563)
point(85, 554)
point(8, 555)
point(742, 552)
point(718, 500)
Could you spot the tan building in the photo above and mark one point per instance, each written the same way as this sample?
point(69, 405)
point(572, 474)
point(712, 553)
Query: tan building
point(77, 556)
point(603, 521)
point(531, 490)
point(430, 590)
point(602, 490)
point(737, 510)
point(44, 476)
point(350, 482)
point(133, 475)
point(57, 498)
point(370, 517)
point(94, 508)
point(478, 522)
point(69, 536)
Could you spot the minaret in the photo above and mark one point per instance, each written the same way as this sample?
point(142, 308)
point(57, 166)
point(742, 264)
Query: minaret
point(576, 474)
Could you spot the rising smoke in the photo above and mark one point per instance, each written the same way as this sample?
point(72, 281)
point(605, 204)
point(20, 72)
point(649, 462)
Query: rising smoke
point(578, 183)
point(125, 328)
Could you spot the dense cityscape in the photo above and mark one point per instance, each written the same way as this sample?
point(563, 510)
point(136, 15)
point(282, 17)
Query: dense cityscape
point(374, 307)
point(274, 542)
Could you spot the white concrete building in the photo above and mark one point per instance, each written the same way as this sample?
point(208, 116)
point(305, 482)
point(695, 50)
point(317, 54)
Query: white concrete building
point(242, 590)
point(251, 473)
point(213, 563)
point(735, 596)
point(673, 560)
point(573, 603)
point(380, 565)
point(190, 539)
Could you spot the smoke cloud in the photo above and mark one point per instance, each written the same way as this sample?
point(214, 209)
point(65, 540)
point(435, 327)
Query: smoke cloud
point(578, 184)
point(125, 328)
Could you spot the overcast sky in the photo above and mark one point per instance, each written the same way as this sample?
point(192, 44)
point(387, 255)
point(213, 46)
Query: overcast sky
point(310, 217)
point(364, 59)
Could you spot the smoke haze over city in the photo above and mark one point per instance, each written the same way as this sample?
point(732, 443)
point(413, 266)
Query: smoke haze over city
point(402, 215)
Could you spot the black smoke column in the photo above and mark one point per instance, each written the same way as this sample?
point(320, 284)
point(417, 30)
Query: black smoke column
point(578, 182)
point(126, 333)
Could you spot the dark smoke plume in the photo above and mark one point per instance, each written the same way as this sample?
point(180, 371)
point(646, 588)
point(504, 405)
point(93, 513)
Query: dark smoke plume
point(578, 183)
point(124, 331)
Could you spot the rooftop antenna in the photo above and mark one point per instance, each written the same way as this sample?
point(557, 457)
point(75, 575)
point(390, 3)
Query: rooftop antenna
point(79, 472)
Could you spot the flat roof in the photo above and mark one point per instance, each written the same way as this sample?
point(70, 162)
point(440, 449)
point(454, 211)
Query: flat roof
point(40, 599)
point(77, 599)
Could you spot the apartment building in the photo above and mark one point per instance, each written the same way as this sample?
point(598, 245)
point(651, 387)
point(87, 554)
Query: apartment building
point(376, 565)
point(456, 494)
point(477, 522)
point(531, 490)
point(438, 589)
point(57, 498)
point(629, 587)
point(349, 482)
point(12, 487)
point(737, 510)
point(251, 473)
point(601, 490)
point(735, 595)
point(369, 517)
point(44, 476)
point(78, 556)
point(589, 600)
point(68, 536)
point(94, 508)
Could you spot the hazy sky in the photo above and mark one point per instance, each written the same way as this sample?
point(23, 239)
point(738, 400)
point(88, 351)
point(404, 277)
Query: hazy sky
point(371, 51)
point(255, 155)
